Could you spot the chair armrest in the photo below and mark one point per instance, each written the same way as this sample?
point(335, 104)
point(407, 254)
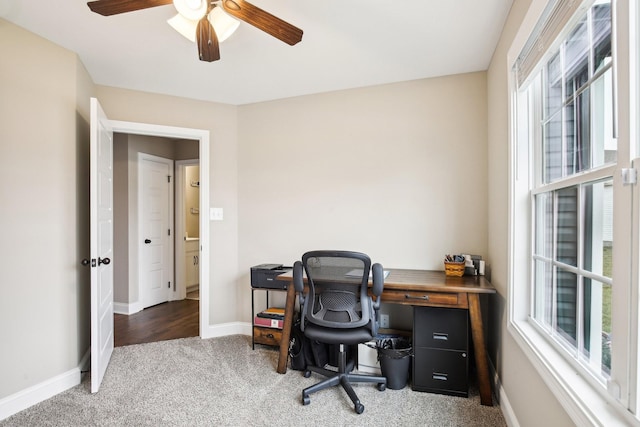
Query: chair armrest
point(298, 280)
point(378, 283)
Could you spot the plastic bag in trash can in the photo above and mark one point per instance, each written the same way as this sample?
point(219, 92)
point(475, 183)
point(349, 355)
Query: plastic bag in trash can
point(394, 348)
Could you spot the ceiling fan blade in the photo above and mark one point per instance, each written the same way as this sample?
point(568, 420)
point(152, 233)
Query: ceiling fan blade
point(263, 20)
point(114, 7)
point(208, 47)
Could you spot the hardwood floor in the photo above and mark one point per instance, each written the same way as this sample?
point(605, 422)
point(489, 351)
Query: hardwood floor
point(167, 321)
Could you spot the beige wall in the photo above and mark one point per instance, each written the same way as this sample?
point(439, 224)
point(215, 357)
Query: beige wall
point(530, 398)
point(44, 105)
point(396, 171)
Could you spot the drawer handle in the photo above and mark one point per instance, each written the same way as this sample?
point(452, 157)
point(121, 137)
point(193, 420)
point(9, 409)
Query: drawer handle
point(423, 297)
point(270, 336)
point(440, 376)
point(440, 336)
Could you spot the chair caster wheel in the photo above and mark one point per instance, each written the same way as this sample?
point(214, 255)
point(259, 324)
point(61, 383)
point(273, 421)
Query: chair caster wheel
point(307, 374)
point(359, 407)
point(305, 400)
point(382, 386)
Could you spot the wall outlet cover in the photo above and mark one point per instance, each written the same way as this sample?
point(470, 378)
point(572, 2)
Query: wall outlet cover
point(216, 214)
point(384, 321)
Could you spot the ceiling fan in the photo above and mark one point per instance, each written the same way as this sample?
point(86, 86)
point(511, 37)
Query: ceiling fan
point(205, 13)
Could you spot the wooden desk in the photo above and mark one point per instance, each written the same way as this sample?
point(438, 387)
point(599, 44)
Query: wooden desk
point(420, 288)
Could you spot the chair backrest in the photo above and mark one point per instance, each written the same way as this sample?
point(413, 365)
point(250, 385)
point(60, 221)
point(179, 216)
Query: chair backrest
point(337, 296)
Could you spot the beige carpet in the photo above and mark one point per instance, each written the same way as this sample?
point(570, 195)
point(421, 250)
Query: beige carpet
point(222, 382)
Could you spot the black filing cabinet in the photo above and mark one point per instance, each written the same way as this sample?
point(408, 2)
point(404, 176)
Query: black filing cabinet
point(441, 350)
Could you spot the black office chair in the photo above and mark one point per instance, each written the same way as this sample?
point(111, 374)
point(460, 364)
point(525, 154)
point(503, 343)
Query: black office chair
point(338, 310)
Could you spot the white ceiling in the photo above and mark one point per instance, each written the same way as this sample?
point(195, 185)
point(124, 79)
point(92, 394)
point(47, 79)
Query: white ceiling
point(346, 44)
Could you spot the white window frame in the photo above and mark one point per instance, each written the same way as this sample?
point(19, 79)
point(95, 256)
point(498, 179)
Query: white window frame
point(586, 401)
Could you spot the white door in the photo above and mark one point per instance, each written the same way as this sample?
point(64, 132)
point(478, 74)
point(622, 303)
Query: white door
point(156, 240)
point(101, 212)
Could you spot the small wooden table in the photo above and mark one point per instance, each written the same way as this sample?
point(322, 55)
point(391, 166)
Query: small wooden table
point(420, 288)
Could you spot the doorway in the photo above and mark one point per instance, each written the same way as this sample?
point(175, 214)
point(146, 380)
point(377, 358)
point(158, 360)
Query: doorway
point(167, 321)
point(128, 299)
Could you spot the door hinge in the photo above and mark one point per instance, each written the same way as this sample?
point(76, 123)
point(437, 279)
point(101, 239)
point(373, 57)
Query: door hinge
point(169, 285)
point(168, 178)
point(169, 232)
point(629, 176)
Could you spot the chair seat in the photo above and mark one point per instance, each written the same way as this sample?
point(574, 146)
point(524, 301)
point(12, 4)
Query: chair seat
point(338, 336)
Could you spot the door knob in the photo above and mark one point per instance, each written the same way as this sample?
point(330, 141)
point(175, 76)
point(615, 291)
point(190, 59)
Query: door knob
point(85, 262)
point(147, 241)
point(105, 261)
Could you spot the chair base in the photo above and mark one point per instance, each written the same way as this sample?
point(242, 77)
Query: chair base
point(345, 378)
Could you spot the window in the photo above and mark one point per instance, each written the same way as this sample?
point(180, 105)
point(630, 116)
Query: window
point(574, 302)
point(570, 196)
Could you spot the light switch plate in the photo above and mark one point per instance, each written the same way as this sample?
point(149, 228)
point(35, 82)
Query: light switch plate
point(216, 214)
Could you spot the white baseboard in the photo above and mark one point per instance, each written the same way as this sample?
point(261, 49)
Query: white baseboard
point(23, 399)
point(126, 308)
point(503, 400)
point(224, 329)
point(507, 410)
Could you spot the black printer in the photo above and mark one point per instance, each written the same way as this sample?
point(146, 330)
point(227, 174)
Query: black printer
point(264, 276)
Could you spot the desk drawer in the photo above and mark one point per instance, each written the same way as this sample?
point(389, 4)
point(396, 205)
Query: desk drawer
point(267, 336)
point(444, 328)
point(441, 371)
point(422, 298)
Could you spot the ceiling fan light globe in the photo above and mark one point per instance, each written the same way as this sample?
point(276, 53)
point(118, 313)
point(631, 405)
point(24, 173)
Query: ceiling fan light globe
point(191, 9)
point(223, 24)
point(184, 26)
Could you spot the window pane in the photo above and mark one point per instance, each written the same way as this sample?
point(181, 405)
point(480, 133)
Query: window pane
point(598, 227)
point(553, 87)
point(577, 58)
point(567, 228)
point(552, 147)
point(566, 303)
point(577, 129)
point(597, 326)
point(543, 292)
point(601, 35)
point(605, 146)
point(544, 225)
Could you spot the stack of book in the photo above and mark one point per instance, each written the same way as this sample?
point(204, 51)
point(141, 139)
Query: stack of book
point(272, 317)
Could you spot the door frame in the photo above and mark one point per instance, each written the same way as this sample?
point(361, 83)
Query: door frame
point(169, 261)
point(202, 136)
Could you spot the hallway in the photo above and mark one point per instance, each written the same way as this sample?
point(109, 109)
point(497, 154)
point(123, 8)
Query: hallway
point(166, 321)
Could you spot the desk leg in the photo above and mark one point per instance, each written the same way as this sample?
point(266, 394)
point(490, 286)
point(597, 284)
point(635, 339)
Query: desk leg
point(477, 334)
point(286, 329)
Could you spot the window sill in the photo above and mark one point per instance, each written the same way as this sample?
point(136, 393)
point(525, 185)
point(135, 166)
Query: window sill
point(584, 404)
